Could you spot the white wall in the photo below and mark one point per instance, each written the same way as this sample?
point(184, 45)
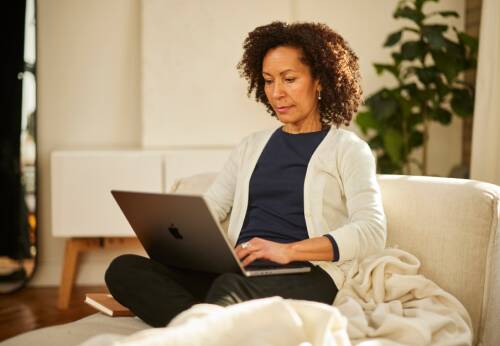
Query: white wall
point(90, 77)
point(193, 96)
point(88, 98)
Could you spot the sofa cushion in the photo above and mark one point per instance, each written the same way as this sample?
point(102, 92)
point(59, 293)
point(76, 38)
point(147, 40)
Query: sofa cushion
point(451, 225)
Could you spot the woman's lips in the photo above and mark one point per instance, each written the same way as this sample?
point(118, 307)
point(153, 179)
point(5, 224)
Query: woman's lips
point(283, 109)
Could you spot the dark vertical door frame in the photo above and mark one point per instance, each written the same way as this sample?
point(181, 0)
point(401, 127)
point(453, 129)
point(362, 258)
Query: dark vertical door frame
point(12, 27)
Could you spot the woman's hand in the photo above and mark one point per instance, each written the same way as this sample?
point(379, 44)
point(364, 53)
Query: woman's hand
point(258, 248)
point(312, 249)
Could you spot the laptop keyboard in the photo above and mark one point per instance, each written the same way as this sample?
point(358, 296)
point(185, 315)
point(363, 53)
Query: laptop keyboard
point(266, 264)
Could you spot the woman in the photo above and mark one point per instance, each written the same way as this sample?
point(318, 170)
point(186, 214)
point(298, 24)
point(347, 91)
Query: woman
point(306, 191)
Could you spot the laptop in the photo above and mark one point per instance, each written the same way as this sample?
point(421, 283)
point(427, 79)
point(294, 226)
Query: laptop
point(181, 231)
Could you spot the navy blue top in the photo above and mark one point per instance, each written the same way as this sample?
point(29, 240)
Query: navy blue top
point(276, 197)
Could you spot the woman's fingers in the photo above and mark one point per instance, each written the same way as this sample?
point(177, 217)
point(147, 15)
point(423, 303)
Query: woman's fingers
point(245, 248)
point(249, 252)
point(252, 257)
point(259, 248)
point(242, 252)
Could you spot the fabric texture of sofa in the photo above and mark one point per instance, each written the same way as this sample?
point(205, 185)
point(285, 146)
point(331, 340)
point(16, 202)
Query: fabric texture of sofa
point(451, 225)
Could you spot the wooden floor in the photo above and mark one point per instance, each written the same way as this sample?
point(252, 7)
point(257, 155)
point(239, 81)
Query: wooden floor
point(35, 307)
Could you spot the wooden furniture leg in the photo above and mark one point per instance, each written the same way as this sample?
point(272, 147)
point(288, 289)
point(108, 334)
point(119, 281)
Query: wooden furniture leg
point(75, 246)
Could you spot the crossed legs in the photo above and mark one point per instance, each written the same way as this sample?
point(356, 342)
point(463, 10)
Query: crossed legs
point(156, 293)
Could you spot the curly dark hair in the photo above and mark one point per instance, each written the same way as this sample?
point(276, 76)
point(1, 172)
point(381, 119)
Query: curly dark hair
point(326, 53)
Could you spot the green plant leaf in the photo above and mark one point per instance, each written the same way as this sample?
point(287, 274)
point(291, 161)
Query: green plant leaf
point(427, 74)
point(404, 105)
point(407, 28)
point(393, 143)
point(397, 57)
point(365, 121)
point(382, 105)
point(442, 88)
point(445, 14)
point(411, 93)
point(450, 61)
point(415, 94)
point(462, 102)
point(393, 38)
point(455, 49)
point(470, 64)
point(468, 41)
point(380, 68)
point(411, 88)
point(411, 50)
point(386, 166)
point(441, 115)
point(376, 142)
point(434, 35)
point(416, 139)
point(409, 13)
point(415, 119)
point(449, 65)
point(419, 3)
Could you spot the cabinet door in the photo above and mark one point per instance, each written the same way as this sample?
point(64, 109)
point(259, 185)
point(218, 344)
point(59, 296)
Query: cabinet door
point(82, 205)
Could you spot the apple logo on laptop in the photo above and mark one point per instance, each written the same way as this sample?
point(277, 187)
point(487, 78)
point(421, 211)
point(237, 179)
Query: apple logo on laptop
point(175, 232)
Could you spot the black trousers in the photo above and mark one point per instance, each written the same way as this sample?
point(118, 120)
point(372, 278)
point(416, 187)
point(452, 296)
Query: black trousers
point(156, 293)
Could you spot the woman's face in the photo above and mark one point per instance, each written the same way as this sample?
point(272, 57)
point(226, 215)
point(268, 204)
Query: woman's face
point(290, 89)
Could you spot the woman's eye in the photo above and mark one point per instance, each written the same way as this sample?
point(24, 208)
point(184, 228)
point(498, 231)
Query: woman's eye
point(289, 80)
point(267, 81)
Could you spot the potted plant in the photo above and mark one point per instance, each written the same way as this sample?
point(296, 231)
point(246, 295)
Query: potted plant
point(428, 67)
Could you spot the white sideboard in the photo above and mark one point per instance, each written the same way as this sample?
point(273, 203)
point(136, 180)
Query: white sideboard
point(81, 181)
point(82, 205)
point(83, 209)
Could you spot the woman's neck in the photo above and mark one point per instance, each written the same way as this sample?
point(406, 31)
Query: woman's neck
point(302, 128)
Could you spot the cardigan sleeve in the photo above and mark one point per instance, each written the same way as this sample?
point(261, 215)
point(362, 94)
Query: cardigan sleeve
point(335, 247)
point(220, 195)
point(366, 230)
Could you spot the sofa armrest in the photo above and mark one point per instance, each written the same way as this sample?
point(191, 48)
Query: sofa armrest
point(452, 226)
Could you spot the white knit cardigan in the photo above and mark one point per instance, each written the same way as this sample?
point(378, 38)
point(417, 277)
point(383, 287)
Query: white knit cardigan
point(341, 195)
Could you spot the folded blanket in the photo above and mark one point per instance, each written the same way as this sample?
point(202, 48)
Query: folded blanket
point(384, 301)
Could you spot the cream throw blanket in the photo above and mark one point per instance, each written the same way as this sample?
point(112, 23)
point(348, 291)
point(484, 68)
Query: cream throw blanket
point(386, 299)
point(383, 302)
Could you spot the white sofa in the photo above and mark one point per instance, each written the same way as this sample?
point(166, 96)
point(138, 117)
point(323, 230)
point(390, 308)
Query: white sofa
point(451, 225)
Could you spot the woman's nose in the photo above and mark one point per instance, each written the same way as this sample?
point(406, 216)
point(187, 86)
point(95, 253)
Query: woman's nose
point(278, 90)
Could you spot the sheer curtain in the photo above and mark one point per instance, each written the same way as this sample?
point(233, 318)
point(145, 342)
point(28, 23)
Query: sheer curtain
point(485, 161)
